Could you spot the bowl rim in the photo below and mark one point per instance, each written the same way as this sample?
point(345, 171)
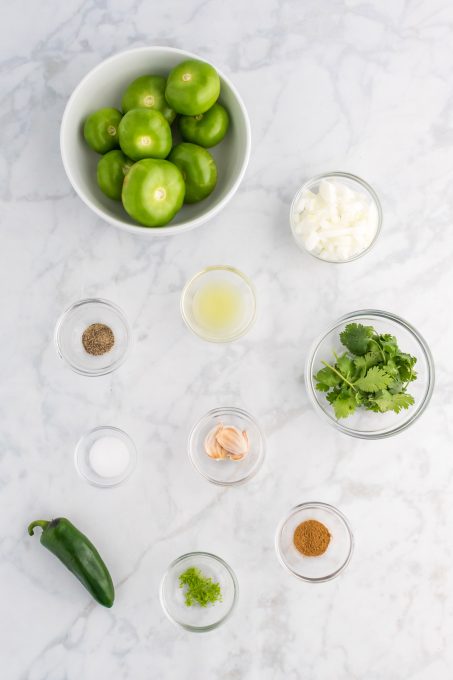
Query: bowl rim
point(211, 626)
point(139, 229)
point(328, 508)
point(315, 180)
point(117, 432)
point(94, 373)
point(375, 434)
point(207, 270)
point(247, 416)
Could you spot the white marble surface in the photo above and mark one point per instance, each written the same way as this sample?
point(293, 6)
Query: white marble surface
point(359, 86)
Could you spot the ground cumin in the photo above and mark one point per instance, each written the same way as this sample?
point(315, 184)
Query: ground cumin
point(311, 538)
point(98, 339)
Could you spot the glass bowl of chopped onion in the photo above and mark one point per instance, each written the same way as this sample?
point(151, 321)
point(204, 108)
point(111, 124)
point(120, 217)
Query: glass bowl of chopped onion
point(336, 217)
point(199, 591)
point(370, 374)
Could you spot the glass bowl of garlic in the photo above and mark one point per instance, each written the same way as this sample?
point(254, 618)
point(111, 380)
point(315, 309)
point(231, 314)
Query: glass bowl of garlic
point(226, 446)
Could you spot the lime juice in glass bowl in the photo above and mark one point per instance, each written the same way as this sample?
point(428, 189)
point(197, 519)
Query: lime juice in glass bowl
point(218, 304)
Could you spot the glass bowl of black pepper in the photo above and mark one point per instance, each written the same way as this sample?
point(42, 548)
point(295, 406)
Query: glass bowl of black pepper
point(93, 337)
point(314, 542)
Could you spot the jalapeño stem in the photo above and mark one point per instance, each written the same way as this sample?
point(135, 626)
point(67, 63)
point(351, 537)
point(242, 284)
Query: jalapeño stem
point(37, 523)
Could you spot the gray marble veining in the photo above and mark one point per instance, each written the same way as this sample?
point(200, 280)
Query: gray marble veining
point(353, 85)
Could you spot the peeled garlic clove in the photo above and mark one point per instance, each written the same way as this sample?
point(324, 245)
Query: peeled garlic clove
point(217, 453)
point(212, 446)
point(235, 456)
point(210, 439)
point(232, 439)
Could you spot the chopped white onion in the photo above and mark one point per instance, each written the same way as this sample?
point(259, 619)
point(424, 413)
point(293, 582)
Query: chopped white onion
point(337, 223)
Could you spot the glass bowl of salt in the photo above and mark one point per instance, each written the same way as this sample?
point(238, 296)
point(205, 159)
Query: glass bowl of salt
point(105, 456)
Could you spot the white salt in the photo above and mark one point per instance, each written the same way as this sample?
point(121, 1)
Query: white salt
point(109, 457)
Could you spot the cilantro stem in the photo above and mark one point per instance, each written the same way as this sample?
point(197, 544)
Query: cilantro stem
point(404, 387)
point(379, 348)
point(340, 375)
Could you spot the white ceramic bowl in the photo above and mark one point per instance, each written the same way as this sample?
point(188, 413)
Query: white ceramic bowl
point(103, 86)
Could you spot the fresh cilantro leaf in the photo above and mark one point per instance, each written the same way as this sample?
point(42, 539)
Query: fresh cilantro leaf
point(368, 360)
point(322, 387)
point(393, 402)
point(405, 364)
point(372, 406)
point(360, 398)
point(344, 405)
point(326, 378)
point(332, 395)
point(404, 358)
point(389, 344)
point(396, 387)
point(376, 379)
point(372, 375)
point(345, 365)
point(391, 368)
point(356, 338)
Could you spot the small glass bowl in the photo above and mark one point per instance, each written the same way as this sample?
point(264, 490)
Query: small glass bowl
point(367, 424)
point(195, 618)
point(73, 322)
point(323, 567)
point(82, 456)
point(219, 274)
point(353, 182)
point(226, 472)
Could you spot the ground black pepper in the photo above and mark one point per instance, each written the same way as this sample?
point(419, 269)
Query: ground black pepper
point(98, 339)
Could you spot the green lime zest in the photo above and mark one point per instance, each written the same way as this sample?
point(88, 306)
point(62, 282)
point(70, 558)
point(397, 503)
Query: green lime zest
point(200, 589)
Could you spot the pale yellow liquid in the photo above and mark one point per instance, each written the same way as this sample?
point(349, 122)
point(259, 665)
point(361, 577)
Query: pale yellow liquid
point(218, 307)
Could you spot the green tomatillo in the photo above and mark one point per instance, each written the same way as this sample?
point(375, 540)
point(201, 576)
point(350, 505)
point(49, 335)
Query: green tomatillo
point(144, 133)
point(111, 171)
point(198, 169)
point(148, 92)
point(101, 130)
point(205, 129)
point(192, 87)
point(153, 192)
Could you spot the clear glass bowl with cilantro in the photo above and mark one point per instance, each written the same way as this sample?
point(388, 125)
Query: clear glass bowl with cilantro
point(370, 375)
point(199, 591)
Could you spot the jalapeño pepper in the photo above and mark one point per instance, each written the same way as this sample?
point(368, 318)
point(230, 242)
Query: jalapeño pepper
point(79, 555)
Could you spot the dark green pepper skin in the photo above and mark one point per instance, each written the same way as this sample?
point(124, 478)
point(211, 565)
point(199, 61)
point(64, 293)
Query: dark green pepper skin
point(79, 555)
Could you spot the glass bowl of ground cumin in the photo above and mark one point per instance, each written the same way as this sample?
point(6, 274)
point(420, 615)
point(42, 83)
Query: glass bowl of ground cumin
point(93, 337)
point(314, 542)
